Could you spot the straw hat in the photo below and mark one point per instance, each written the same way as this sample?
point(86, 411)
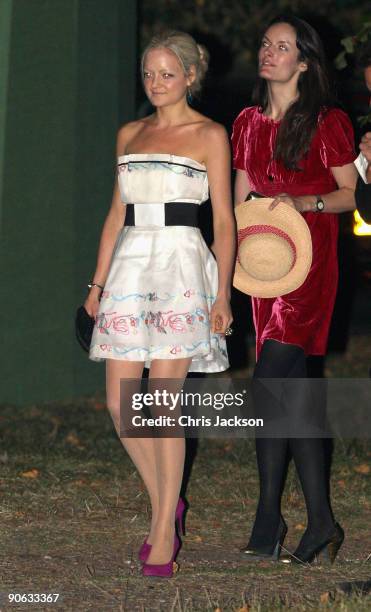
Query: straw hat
point(274, 248)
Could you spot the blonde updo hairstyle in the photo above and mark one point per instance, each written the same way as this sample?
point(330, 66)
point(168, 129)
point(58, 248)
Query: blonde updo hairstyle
point(187, 51)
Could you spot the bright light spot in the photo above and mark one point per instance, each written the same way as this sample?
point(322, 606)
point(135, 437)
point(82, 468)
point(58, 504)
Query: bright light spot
point(360, 228)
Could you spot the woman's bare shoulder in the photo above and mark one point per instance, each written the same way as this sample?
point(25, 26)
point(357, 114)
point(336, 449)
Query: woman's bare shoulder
point(215, 141)
point(213, 131)
point(130, 130)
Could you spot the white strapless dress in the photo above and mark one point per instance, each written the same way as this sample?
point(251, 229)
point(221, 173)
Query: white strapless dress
point(162, 279)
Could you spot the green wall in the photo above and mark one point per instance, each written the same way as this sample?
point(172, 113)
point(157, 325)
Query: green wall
point(63, 64)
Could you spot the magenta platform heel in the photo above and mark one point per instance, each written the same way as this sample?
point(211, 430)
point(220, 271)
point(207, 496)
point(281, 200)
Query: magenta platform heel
point(145, 549)
point(165, 570)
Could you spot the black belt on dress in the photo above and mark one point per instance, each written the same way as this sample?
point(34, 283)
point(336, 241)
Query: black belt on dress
point(176, 213)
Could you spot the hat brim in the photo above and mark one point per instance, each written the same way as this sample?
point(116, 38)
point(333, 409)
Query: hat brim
point(288, 219)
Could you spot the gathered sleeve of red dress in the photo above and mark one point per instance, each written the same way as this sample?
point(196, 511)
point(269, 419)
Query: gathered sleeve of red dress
point(336, 136)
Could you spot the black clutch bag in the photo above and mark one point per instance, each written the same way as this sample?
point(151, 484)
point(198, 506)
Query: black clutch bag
point(84, 325)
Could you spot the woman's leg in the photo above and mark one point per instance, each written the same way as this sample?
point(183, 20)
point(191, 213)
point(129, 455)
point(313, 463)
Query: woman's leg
point(276, 360)
point(140, 450)
point(309, 457)
point(310, 462)
point(279, 361)
point(305, 407)
point(169, 463)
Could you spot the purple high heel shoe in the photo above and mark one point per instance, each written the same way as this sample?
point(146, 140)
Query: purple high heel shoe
point(145, 549)
point(163, 570)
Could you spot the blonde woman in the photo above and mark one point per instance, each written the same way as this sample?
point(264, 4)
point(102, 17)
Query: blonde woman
point(159, 297)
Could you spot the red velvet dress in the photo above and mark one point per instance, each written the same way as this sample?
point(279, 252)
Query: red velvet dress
point(303, 316)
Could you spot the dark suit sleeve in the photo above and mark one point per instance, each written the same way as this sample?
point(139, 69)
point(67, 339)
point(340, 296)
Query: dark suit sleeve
point(363, 199)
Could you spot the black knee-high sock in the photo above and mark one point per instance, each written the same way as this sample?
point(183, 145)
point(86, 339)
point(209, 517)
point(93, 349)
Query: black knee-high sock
point(276, 360)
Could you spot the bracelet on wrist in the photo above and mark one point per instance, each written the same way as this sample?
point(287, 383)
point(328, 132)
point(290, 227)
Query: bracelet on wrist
point(91, 285)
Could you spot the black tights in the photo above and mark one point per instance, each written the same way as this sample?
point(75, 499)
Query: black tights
point(278, 360)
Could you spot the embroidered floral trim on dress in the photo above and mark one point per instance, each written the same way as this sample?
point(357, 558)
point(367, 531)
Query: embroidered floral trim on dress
point(171, 349)
point(153, 296)
point(177, 168)
point(162, 321)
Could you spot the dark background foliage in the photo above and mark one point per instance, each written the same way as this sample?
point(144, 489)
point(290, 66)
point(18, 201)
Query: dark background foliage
point(231, 31)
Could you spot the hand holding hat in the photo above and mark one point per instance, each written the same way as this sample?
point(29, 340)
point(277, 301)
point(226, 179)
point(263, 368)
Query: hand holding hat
point(283, 197)
point(274, 248)
point(300, 203)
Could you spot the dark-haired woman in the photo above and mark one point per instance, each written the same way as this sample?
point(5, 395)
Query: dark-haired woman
point(295, 147)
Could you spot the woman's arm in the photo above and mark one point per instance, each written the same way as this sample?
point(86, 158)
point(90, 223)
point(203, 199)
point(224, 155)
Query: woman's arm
point(242, 187)
point(112, 225)
point(218, 161)
point(337, 201)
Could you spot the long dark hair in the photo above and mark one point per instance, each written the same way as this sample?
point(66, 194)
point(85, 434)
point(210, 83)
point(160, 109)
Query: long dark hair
point(364, 55)
point(300, 121)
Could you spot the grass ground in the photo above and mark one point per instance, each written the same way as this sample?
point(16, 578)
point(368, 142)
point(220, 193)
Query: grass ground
point(73, 514)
